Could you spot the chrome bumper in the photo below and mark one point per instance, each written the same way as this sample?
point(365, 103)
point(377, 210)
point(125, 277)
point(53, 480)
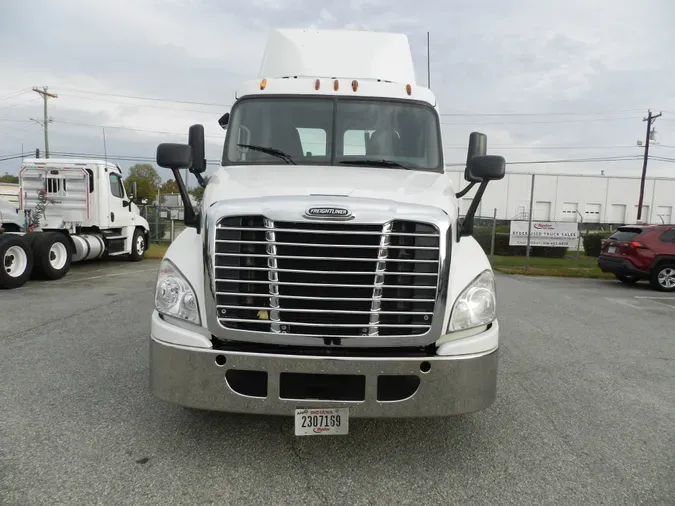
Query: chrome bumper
point(191, 377)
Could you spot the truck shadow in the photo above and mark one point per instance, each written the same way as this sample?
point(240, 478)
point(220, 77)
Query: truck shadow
point(388, 440)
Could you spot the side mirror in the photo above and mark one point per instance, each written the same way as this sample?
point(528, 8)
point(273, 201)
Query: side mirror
point(477, 147)
point(196, 142)
point(486, 168)
point(224, 120)
point(174, 156)
point(134, 191)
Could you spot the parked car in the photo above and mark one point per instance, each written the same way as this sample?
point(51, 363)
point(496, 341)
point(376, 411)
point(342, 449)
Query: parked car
point(641, 252)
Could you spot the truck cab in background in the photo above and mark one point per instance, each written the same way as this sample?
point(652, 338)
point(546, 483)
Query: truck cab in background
point(327, 273)
point(70, 210)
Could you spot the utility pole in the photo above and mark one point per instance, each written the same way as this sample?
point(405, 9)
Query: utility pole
point(650, 120)
point(45, 95)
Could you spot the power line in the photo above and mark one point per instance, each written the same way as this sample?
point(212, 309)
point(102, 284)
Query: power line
point(164, 107)
point(562, 160)
point(618, 111)
point(115, 127)
point(499, 148)
point(456, 164)
point(15, 94)
point(12, 157)
point(136, 97)
point(526, 123)
point(18, 104)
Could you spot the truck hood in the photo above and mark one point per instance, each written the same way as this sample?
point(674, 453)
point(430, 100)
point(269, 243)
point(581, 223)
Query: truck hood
point(406, 186)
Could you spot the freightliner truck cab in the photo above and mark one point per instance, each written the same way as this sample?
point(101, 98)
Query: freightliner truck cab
point(327, 274)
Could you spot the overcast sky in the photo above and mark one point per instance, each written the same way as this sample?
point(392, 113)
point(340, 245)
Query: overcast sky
point(544, 79)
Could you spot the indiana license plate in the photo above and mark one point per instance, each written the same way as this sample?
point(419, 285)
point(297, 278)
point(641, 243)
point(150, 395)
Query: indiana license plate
point(322, 422)
point(611, 249)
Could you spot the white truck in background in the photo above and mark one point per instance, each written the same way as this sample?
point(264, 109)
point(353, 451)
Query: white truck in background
point(327, 274)
point(70, 210)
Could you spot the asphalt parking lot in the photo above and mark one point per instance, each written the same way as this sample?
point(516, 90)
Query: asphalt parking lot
point(585, 411)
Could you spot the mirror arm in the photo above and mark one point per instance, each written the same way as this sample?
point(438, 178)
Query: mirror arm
point(200, 179)
point(466, 190)
point(465, 228)
point(190, 219)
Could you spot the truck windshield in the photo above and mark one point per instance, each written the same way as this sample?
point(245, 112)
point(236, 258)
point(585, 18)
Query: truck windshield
point(333, 131)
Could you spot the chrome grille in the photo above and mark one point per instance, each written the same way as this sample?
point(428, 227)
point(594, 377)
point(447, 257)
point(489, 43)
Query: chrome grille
point(326, 279)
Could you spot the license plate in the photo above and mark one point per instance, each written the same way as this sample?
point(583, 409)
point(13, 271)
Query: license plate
point(611, 249)
point(322, 422)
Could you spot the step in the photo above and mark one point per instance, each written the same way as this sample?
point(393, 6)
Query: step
point(118, 253)
point(114, 237)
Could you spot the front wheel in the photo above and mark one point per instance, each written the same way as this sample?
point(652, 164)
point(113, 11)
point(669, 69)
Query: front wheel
point(137, 246)
point(627, 280)
point(663, 278)
point(17, 261)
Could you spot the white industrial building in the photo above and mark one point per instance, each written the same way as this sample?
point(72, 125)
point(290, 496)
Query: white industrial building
point(566, 197)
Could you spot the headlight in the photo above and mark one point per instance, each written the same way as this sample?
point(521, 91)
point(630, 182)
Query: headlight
point(173, 294)
point(476, 305)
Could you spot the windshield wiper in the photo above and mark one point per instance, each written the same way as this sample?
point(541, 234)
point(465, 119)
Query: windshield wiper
point(270, 151)
point(375, 163)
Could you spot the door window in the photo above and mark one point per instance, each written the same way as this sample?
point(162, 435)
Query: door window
point(116, 187)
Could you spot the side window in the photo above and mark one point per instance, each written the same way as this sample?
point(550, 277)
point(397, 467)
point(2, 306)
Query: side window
point(116, 185)
point(91, 180)
point(668, 236)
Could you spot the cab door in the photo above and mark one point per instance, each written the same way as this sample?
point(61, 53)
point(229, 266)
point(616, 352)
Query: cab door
point(119, 210)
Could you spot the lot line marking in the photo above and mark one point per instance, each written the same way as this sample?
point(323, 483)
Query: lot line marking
point(664, 304)
point(657, 299)
point(654, 297)
point(622, 301)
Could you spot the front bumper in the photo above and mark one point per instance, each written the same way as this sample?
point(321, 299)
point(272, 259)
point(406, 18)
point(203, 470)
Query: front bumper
point(195, 376)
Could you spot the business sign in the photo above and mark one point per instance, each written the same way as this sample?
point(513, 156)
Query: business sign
point(561, 234)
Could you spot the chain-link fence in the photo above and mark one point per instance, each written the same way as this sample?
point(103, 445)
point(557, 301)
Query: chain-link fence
point(563, 217)
point(166, 220)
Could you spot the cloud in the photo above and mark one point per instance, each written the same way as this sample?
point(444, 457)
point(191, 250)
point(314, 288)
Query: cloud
point(487, 56)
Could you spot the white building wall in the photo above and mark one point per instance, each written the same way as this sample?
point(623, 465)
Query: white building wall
point(599, 199)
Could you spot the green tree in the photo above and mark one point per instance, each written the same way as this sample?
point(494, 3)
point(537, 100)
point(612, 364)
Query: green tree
point(147, 181)
point(8, 178)
point(198, 192)
point(168, 187)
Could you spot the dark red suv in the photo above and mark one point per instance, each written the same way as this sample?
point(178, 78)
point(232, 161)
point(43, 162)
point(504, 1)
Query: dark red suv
point(638, 252)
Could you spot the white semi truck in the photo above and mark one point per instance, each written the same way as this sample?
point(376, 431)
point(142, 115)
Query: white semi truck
point(70, 210)
point(327, 274)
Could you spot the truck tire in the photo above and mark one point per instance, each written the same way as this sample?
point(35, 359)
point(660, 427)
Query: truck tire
point(137, 246)
point(17, 261)
point(29, 237)
point(663, 277)
point(53, 255)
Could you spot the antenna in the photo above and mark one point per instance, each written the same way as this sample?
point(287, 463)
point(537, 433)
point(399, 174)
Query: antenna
point(428, 62)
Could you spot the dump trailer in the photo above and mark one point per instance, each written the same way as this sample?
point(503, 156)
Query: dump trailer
point(327, 274)
point(70, 210)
